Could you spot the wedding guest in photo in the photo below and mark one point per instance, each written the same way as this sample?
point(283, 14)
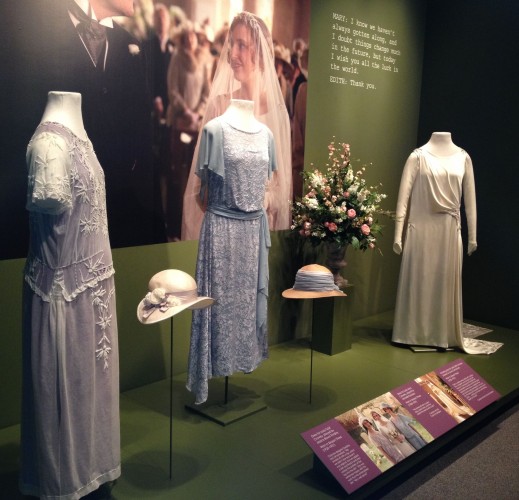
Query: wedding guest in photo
point(381, 442)
point(405, 425)
point(392, 433)
point(188, 90)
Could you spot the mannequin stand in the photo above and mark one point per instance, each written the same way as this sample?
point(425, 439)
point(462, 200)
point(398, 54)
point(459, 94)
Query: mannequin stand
point(171, 399)
point(230, 410)
point(418, 348)
point(311, 370)
point(170, 292)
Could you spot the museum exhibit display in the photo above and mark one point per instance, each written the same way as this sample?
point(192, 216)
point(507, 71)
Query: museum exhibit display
point(335, 279)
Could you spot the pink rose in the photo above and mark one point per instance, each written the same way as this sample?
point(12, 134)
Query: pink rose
point(346, 194)
point(351, 213)
point(365, 229)
point(332, 227)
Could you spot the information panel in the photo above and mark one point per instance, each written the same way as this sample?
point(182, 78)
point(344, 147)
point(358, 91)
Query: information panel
point(362, 443)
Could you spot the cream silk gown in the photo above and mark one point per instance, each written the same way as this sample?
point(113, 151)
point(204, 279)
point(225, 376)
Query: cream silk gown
point(429, 309)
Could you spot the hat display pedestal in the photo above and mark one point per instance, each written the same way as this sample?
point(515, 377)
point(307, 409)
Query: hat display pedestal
point(331, 328)
point(233, 408)
point(330, 318)
point(162, 285)
point(332, 323)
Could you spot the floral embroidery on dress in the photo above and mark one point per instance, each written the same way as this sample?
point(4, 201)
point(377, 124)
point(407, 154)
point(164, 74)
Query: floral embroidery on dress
point(49, 181)
point(66, 198)
point(104, 323)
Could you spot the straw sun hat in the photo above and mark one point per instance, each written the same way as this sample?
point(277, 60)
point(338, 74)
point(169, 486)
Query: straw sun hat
point(170, 292)
point(313, 282)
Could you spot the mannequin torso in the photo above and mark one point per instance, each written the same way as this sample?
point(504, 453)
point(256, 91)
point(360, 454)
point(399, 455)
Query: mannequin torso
point(65, 108)
point(240, 115)
point(440, 144)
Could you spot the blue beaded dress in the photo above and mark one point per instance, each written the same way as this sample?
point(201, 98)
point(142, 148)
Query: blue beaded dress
point(232, 267)
point(70, 410)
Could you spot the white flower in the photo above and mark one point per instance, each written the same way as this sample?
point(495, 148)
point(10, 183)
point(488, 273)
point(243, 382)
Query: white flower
point(155, 297)
point(311, 203)
point(134, 49)
point(172, 301)
point(317, 179)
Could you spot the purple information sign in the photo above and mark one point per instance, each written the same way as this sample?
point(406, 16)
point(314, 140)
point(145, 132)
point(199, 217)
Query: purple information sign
point(341, 455)
point(437, 401)
point(424, 408)
point(468, 384)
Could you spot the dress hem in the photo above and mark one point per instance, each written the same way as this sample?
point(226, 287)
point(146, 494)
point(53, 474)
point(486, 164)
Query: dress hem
point(93, 485)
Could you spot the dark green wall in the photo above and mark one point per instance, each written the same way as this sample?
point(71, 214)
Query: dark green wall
point(470, 88)
point(380, 125)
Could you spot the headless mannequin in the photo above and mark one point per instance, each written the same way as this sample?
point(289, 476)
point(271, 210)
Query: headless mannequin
point(240, 115)
point(437, 178)
point(440, 144)
point(65, 108)
point(65, 191)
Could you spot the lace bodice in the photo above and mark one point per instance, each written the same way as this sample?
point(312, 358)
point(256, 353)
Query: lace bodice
point(248, 159)
point(69, 250)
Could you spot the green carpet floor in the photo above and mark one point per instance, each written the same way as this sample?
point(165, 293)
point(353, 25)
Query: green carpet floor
point(262, 456)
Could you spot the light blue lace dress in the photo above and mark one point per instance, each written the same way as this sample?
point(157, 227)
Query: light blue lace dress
point(232, 266)
point(70, 414)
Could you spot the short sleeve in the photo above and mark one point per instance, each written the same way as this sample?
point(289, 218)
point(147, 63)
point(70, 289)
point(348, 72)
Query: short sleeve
point(210, 154)
point(49, 190)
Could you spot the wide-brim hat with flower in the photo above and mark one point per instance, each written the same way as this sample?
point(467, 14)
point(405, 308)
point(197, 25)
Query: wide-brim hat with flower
point(170, 292)
point(313, 282)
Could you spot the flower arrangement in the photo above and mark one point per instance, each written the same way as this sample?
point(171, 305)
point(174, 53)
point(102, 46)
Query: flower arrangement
point(338, 207)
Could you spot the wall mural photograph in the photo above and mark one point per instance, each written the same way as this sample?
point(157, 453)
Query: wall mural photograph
point(145, 73)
